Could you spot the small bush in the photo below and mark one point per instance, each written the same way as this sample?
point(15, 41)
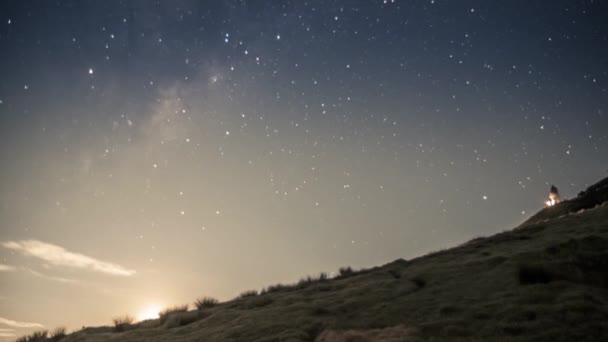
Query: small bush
point(395, 274)
point(345, 271)
point(181, 318)
point(256, 302)
point(163, 315)
point(419, 281)
point(531, 274)
point(57, 334)
point(248, 293)
point(302, 283)
point(275, 288)
point(38, 336)
point(123, 323)
point(205, 302)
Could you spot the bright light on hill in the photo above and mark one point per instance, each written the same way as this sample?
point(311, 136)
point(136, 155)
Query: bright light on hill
point(150, 312)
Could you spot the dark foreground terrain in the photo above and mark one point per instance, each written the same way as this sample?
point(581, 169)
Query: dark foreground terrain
point(546, 280)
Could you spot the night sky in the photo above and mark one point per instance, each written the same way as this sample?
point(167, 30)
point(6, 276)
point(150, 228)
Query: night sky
point(156, 151)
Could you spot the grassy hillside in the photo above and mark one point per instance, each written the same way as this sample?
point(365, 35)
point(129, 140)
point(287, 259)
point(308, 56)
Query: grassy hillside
point(546, 280)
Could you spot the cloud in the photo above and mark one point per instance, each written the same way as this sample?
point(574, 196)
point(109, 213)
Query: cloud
point(59, 279)
point(58, 256)
point(6, 268)
point(7, 332)
point(17, 324)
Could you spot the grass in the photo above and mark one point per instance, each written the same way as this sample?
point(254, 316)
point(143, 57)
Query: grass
point(123, 323)
point(206, 302)
point(545, 280)
point(57, 334)
point(345, 272)
point(38, 336)
point(166, 313)
point(534, 274)
point(248, 293)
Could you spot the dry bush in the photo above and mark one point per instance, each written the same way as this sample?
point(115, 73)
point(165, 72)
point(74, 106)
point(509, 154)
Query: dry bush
point(205, 302)
point(181, 318)
point(345, 271)
point(57, 334)
point(419, 281)
point(248, 293)
point(38, 336)
point(123, 323)
point(163, 315)
point(534, 274)
point(275, 288)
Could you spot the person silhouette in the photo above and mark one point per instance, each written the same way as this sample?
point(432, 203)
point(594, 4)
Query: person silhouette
point(554, 197)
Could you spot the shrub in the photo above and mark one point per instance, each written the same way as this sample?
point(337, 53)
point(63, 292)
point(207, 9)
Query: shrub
point(395, 274)
point(532, 274)
point(304, 282)
point(181, 318)
point(169, 311)
point(275, 288)
point(205, 302)
point(248, 293)
point(38, 336)
point(123, 323)
point(419, 281)
point(345, 271)
point(57, 334)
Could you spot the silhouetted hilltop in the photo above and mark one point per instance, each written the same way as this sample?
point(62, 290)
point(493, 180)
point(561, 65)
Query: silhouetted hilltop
point(595, 195)
point(546, 280)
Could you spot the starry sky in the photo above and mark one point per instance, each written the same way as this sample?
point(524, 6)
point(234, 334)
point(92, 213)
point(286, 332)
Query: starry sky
point(156, 151)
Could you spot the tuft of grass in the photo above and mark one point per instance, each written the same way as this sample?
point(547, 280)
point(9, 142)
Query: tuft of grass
point(419, 281)
point(302, 283)
point(58, 334)
point(163, 315)
point(38, 336)
point(123, 323)
point(533, 274)
point(395, 274)
point(182, 318)
point(206, 302)
point(344, 272)
point(248, 293)
point(275, 288)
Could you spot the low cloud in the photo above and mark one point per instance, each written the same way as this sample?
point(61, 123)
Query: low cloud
point(6, 268)
point(17, 324)
point(59, 279)
point(7, 332)
point(59, 256)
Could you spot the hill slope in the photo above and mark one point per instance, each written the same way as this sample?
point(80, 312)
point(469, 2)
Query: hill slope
point(546, 280)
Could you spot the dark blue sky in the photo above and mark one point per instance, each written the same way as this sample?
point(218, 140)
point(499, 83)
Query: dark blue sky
point(212, 147)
